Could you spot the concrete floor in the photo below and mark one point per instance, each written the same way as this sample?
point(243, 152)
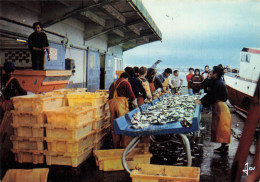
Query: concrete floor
point(214, 167)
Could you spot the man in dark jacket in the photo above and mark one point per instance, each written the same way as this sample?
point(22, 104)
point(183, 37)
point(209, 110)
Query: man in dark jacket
point(137, 86)
point(38, 43)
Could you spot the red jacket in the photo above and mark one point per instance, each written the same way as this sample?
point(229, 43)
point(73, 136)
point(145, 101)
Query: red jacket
point(123, 90)
point(188, 77)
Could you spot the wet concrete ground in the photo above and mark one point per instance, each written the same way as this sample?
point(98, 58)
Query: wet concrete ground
point(214, 167)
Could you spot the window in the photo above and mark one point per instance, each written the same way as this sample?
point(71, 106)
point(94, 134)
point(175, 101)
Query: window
point(243, 57)
point(248, 56)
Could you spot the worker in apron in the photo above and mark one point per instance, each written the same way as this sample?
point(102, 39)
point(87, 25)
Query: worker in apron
point(221, 118)
point(119, 93)
point(154, 83)
point(145, 83)
point(11, 88)
point(164, 78)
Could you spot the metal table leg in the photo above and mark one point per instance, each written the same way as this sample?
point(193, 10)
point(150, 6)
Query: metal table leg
point(128, 149)
point(186, 142)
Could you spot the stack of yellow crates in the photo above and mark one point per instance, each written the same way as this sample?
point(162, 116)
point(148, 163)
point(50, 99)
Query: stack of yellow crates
point(69, 135)
point(71, 121)
point(98, 100)
point(28, 124)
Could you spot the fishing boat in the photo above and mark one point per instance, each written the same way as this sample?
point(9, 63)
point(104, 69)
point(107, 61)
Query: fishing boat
point(241, 85)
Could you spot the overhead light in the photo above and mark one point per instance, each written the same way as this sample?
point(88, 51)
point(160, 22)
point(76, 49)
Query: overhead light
point(21, 40)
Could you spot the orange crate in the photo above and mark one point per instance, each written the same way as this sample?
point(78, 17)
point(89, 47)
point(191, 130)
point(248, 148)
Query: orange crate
point(111, 160)
point(74, 133)
point(70, 146)
point(26, 130)
point(30, 156)
point(24, 143)
point(156, 173)
point(70, 116)
point(53, 158)
point(101, 122)
point(28, 117)
point(37, 102)
point(86, 99)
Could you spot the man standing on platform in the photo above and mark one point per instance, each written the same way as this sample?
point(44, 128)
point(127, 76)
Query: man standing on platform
point(38, 44)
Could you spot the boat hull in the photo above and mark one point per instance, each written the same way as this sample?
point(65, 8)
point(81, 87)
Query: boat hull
point(240, 92)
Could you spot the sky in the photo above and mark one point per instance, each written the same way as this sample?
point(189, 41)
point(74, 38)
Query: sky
point(199, 32)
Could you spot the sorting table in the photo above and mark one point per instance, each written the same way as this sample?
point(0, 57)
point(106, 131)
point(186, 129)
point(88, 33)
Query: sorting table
point(122, 127)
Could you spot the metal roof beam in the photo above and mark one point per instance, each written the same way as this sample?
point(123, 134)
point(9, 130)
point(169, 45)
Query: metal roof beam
point(111, 29)
point(50, 20)
point(119, 33)
point(93, 17)
point(111, 10)
point(129, 38)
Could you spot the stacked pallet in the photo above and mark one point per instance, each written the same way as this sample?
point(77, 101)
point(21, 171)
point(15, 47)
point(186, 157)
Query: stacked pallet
point(28, 124)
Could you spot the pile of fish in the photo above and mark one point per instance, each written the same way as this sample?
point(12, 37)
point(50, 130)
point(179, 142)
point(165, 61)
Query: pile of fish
point(170, 109)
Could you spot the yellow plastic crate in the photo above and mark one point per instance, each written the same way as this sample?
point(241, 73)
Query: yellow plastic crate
point(86, 99)
point(26, 175)
point(67, 159)
point(74, 133)
point(70, 146)
point(26, 130)
point(100, 143)
point(28, 117)
point(100, 111)
point(24, 143)
point(111, 160)
point(70, 116)
point(101, 122)
point(37, 102)
point(102, 132)
point(30, 156)
point(105, 92)
point(158, 173)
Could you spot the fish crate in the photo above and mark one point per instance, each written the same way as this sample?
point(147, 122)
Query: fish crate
point(86, 99)
point(37, 102)
point(102, 132)
point(111, 160)
point(28, 175)
point(105, 92)
point(28, 156)
point(100, 111)
point(70, 116)
point(25, 143)
point(107, 107)
point(74, 160)
point(70, 146)
point(75, 133)
point(101, 122)
point(158, 173)
point(100, 143)
point(29, 118)
point(27, 130)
